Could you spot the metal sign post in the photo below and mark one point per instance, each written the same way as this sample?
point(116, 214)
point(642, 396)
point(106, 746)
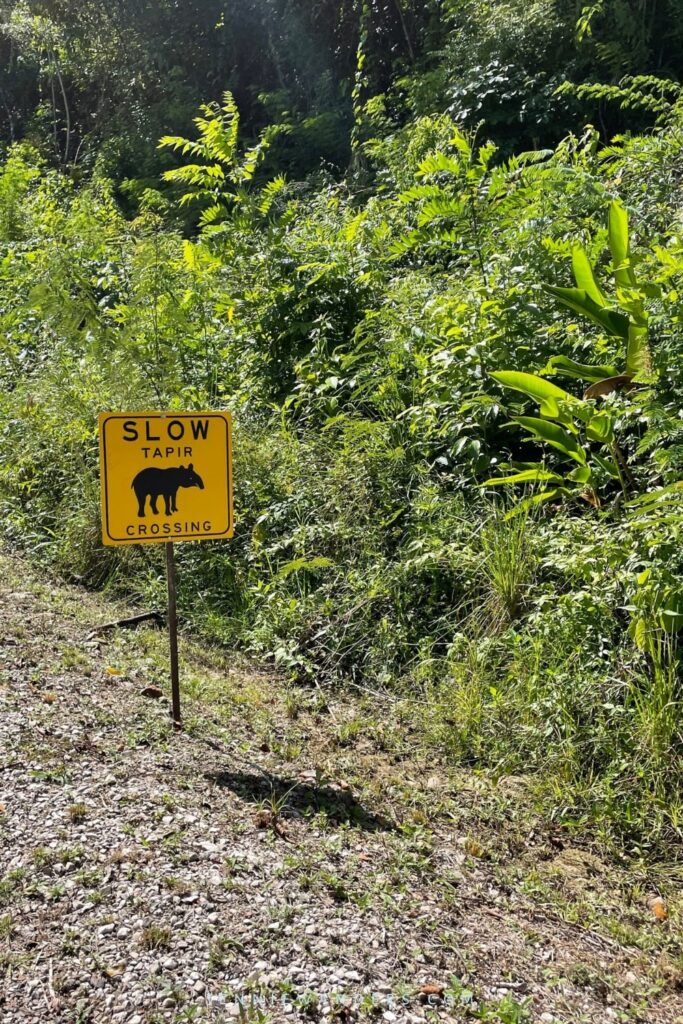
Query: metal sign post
point(166, 477)
point(173, 635)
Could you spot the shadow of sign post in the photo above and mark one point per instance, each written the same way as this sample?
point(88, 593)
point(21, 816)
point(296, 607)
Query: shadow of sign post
point(146, 460)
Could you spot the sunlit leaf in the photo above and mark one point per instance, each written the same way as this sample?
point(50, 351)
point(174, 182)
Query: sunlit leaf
point(566, 367)
point(578, 300)
point(554, 435)
point(584, 276)
point(617, 228)
point(525, 476)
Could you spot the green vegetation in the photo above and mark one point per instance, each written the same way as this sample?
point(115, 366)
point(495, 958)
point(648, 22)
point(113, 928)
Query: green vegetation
point(384, 276)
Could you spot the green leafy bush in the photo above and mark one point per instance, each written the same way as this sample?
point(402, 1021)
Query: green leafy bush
point(372, 349)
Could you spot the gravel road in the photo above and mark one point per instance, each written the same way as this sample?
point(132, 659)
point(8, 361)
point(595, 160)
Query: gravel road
point(213, 875)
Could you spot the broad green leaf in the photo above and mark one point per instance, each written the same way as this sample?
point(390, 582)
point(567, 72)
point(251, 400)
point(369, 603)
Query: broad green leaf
point(551, 409)
point(525, 476)
point(638, 360)
point(600, 427)
point(581, 475)
point(529, 384)
point(650, 289)
point(566, 367)
point(617, 228)
point(578, 409)
point(671, 614)
point(555, 404)
point(638, 632)
point(537, 499)
point(580, 301)
point(584, 276)
point(609, 467)
point(554, 435)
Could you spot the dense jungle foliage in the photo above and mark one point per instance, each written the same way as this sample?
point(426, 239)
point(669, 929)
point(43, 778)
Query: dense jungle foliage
point(445, 311)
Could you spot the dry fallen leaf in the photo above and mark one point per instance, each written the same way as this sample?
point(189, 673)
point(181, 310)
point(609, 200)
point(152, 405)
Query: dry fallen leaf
point(474, 848)
point(152, 691)
point(263, 819)
point(432, 990)
point(2, 808)
point(431, 993)
point(659, 908)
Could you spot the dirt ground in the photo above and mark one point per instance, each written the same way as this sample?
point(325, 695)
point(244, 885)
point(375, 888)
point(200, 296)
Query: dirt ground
point(290, 854)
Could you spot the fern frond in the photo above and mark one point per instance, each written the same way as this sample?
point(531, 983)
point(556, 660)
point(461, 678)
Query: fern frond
point(418, 192)
point(176, 142)
point(220, 176)
point(270, 192)
point(213, 214)
point(254, 155)
point(195, 174)
point(408, 242)
point(440, 207)
point(437, 163)
point(195, 196)
point(639, 92)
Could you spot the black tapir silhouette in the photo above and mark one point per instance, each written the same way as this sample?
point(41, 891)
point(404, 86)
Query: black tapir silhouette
point(156, 482)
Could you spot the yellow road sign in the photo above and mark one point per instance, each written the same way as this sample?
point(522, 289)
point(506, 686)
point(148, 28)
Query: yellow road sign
point(165, 476)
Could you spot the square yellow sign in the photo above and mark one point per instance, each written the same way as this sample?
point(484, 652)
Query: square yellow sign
point(165, 476)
